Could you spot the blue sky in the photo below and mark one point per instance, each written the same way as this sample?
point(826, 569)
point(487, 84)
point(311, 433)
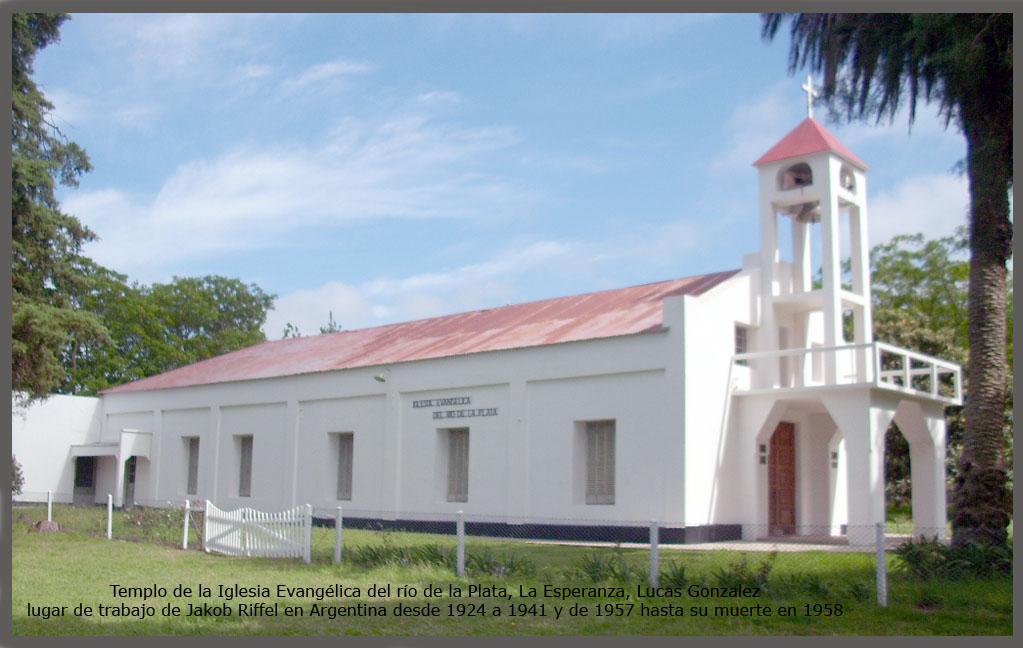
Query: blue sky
point(392, 167)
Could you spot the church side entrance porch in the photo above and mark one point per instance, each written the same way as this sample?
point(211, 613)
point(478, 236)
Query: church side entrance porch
point(818, 471)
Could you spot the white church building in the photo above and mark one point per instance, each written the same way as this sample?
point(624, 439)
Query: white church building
point(747, 403)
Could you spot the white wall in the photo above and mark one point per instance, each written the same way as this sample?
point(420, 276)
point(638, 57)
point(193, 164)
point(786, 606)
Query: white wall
point(115, 423)
point(42, 436)
point(363, 416)
point(267, 424)
point(648, 448)
point(521, 459)
point(170, 453)
point(709, 452)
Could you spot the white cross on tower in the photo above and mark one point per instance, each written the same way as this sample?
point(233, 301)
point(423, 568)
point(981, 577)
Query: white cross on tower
point(811, 94)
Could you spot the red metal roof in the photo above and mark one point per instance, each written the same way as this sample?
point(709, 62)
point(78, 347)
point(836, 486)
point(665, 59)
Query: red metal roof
point(809, 137)
point(609, 313)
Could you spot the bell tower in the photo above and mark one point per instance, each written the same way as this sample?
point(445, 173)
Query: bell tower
point(815, 186)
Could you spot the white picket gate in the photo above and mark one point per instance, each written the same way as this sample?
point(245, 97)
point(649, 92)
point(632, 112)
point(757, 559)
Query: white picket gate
point(248, 532)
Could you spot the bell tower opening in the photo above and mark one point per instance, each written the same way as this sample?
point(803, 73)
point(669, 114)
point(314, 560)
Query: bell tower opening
point(795, 177)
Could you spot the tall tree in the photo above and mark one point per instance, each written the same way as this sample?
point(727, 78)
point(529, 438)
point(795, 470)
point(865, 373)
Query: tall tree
point(871, 64)
point(46, 264)
point(161, 327)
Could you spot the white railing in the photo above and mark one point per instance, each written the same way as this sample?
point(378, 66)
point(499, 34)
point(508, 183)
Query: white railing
point(248, 532)
point(878, 364)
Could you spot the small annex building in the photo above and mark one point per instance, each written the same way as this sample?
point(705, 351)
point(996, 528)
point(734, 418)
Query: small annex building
point(726, 405)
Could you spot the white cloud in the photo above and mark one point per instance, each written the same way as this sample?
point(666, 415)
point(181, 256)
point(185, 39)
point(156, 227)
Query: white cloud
point(439, 98)
point(932, 204)
point(403, 167)
point(487, 284)
point(388, 299)
point(508, 263)
point(322, 73)
point(187, 44)
point(69, 109)
point(927, 124)
point(309, 309)
point(753, 128)
point(136, 117)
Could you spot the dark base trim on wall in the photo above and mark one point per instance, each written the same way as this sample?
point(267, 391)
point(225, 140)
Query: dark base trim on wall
point(544, 531)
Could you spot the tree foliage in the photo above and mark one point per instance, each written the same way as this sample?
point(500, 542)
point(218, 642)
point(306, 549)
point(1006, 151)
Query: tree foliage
point(920, 302)
point(161, 327)
point(17, 477)
point(45, 242)
point(871, 64)
point(79, 327)
point(331, 326)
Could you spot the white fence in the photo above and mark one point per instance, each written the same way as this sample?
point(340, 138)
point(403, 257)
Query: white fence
point(248, 532)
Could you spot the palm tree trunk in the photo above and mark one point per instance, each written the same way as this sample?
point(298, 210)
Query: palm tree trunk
point(981, 501)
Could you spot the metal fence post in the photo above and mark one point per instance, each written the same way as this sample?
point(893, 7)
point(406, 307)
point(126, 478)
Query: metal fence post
point(338, 531)
point(184, 534)
point(110, 516)
point(882, 566)
point(49, 506)
point(308, 557)
point(655, 555)
point(460, 556)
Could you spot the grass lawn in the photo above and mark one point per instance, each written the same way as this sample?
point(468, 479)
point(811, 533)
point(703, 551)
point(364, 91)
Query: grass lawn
point(79, 566)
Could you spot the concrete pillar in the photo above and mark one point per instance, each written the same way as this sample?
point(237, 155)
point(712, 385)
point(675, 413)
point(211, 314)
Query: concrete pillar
point(838, 510)
point(813, 434)
point(155, 444)
point(766, 369)
point(291, 443)
point(119, 480)
point(390, 473)
point(517, 450)
point(215, 488)
point(863, 425)
point(925, 432)
point(757, 421)
point(831, 263)
point(802, 262)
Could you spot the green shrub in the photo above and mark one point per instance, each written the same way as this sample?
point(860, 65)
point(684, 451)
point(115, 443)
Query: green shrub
point(794, 584)
point(930, 558)
point(742, 574)
point(856, 590)
point(386, 553)
point(601, 567)
point(477, 563)
point(487, 563)
point(594, 567)
point(675, 576)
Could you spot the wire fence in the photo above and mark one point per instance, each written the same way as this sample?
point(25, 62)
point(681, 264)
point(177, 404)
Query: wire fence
point(826, 562)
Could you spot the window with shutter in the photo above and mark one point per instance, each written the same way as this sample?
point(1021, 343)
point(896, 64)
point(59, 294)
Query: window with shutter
point(245, 466)
point(458, 465)
point(600, 462)
point(192, 486)
point(345, 445)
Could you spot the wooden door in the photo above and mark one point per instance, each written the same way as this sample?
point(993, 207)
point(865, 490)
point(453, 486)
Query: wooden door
point(85, 481)
point(781, 471)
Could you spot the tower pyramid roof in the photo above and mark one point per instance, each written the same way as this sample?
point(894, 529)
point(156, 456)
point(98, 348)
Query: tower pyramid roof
point(806, 138)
